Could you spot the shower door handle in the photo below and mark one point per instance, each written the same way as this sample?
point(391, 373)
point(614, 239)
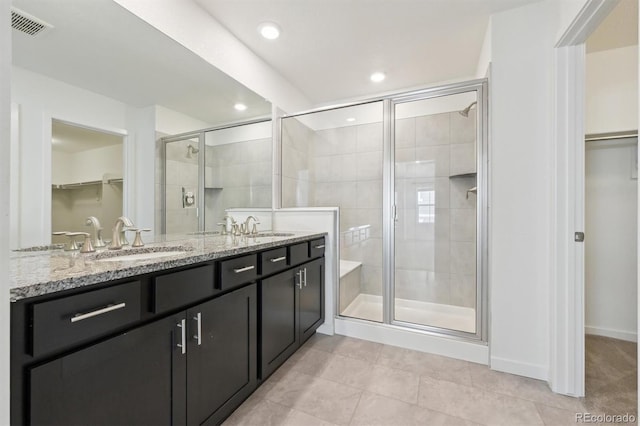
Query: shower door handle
point(394, 213)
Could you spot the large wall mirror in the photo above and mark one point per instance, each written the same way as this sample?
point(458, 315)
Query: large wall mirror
point(94, 65)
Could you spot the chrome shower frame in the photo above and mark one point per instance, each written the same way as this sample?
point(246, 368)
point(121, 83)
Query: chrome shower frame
point(480, 86)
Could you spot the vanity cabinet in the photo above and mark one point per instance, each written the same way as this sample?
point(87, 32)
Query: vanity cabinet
point(183, 346)
point(292, 305)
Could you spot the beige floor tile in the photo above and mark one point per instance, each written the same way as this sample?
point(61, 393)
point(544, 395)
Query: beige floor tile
point(553, 416)
point(476, 404)
point(323, 342)
point(522, 387)
point(359, 349)
point(394, 383)
point(349, 371)
point(321, 398)
point(420, 363)
point(261, 412)
point(376, 410)
point(312, 362)
point(298, 418)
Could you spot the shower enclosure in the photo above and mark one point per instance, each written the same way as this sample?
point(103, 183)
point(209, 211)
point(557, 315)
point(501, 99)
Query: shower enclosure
point(408, 173)
point(206, 172)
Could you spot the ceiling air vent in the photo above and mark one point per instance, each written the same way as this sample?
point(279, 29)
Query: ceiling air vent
point(26, 23)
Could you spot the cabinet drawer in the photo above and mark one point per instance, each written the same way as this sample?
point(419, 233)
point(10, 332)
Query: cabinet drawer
point(273, 261)
point(241, 270)
point(178, 289)
point(79, 318)
point(317, 248)
point(298, 253)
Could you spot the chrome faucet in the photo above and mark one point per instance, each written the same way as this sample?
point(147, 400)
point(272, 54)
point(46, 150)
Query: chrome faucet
point(97, 229)
point(247, 222)
point(116, 238)
point(227, 219)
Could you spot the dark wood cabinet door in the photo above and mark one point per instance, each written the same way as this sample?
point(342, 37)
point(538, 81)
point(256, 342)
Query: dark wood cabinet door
point(221, 355)
point(279, 323)
point(311, 305)
point(136, 378)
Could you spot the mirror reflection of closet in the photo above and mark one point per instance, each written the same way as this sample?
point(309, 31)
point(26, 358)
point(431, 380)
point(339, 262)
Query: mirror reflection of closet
point(86, 176)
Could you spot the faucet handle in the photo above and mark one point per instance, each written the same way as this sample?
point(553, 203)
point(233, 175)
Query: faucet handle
point(87, 246)
point(137, 242)
point(71, 244)
point(223, 229)
point(254, 229)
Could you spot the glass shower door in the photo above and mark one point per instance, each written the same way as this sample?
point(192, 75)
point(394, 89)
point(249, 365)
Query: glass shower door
point(435, 212)
point(182, 191)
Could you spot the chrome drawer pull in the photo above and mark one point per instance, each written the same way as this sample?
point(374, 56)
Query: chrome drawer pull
point(246, 268)
point(278, 259)
point(80, 317)
point(319, 246)
point(198, 335)
point(183, 336)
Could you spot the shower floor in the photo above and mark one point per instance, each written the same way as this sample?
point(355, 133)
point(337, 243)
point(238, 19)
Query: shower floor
point(369, 307)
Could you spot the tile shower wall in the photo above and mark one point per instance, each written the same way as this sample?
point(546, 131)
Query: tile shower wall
point(435, 254)
point(236, 175)
point(347, 170)
point(181, 172)
point(298, 186)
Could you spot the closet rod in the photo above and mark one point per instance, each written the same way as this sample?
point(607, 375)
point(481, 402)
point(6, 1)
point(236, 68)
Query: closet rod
point(609, 136)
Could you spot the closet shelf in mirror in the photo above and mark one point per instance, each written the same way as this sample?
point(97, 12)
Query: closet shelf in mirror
point(463, 175)
point(88, 183)
point(213, 187)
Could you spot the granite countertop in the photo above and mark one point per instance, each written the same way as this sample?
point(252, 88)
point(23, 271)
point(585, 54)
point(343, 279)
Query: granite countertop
point(36, 273)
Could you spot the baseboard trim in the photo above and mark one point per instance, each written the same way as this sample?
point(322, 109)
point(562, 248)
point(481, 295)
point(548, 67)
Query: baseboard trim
point(629, 336)
point(534, 371)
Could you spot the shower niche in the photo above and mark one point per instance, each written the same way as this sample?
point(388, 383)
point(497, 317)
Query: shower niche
point(406, 172)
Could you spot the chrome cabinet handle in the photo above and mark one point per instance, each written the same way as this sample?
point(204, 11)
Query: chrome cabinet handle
point(321, 246)
point(278, 259)
point(246, 268)
point(305, 277)
point(109, 308)
point(198, 335)
point(299, 275)
point(183, 339)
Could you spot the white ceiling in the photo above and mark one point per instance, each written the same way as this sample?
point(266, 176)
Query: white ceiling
point(99, 46)
point(619, 29)
point(328, 48)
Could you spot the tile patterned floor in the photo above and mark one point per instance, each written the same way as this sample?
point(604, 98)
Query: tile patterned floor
point(337, 380)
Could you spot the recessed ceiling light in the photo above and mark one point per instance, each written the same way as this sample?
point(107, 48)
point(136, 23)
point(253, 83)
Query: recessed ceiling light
point(269, 30)
point(377, 77)
point(240, 107)
point(351, 119)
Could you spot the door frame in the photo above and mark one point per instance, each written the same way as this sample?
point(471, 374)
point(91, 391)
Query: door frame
point(567, 310)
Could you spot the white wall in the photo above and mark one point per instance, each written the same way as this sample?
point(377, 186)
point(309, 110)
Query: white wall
point(611, 216)
point(612, 88)
point(86, 166)
point(521, 96)
point(5, 135)
point(40, 99)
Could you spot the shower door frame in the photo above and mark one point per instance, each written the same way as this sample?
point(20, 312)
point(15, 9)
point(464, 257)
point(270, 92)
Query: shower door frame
point(482, 158)
point(200, 134)
point(388, 164)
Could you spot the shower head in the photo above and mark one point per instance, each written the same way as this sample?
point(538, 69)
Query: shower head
point(191, 150)
point(465, 112)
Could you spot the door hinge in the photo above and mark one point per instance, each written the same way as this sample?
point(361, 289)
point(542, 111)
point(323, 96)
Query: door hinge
point(578, 237)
